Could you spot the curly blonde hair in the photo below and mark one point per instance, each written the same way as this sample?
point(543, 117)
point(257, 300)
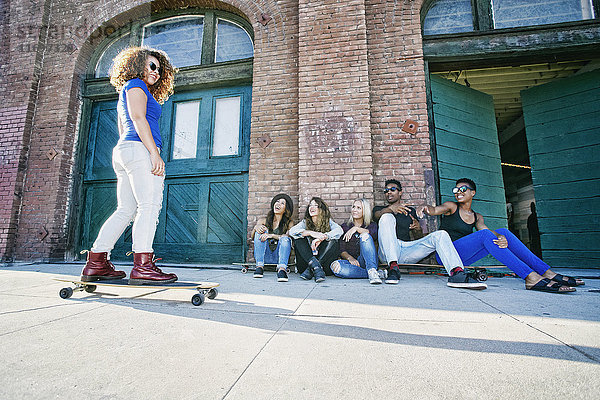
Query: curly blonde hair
point(131, 63)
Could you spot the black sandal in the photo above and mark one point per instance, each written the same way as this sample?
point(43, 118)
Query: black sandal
point(547, 285)
point(568, 281)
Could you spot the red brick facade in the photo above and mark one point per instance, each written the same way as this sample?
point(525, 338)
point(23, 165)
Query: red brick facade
point(333, 84)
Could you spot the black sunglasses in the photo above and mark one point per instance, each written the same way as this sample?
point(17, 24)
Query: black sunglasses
point(153, 67)
point(461, 189)
point(392, 189)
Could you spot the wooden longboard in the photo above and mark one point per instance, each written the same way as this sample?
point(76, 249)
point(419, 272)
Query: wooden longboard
point(480, 273)
point(205, 289)
point(245, 267)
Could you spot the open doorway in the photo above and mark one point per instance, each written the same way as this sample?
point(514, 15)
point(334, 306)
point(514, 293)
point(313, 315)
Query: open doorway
point(502, 89)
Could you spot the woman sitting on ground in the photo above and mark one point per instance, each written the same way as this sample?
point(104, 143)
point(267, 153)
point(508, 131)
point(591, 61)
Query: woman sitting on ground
point(358, 254)
point(458, 219)
point(271, 241)
point(316, 241)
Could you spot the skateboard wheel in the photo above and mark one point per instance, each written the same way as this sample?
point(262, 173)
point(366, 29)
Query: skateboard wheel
point(90, 288)
point(287, 270)
point(212, 293)
point(65, 293)
point(244, 270)
point(481, 275)
point(198, 299)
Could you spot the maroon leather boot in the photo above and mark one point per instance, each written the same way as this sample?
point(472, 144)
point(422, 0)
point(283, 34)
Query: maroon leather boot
point(145, 272)
point(98, 268)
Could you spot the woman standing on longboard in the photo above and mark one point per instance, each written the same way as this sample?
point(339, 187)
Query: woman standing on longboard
point(144, 78)
point(459, 219)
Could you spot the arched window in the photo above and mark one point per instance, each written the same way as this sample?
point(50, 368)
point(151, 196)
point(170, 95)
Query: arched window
point(180, 38)
point(185, 39)
point(449, 16)
point(105, 61)
point(233, 42)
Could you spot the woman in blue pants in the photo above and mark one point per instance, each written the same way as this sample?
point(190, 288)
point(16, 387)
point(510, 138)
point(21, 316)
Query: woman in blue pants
point(458, 219)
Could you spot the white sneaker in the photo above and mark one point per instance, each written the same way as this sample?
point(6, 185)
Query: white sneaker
point(382, 273)
point(374, 278)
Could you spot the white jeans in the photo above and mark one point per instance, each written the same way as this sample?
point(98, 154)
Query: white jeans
point(393, 249)
point(139, 195)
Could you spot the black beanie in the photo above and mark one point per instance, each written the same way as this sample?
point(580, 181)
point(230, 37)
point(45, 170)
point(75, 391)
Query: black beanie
point(288, 201)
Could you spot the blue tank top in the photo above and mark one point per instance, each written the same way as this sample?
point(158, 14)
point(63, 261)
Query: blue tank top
point(153, 111)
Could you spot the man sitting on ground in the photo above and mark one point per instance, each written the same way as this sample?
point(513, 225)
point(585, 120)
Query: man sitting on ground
point(395, 221)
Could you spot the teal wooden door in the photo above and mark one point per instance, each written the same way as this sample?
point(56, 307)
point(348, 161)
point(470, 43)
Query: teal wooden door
point(467, 147)
point(206, 151)
point(562, 123)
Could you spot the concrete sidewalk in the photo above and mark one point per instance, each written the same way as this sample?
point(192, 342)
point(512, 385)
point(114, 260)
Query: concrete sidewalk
point(260, 339)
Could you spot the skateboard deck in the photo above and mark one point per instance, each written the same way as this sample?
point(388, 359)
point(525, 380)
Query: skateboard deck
point(267, 267)
point(205, 289)
point(481, 273)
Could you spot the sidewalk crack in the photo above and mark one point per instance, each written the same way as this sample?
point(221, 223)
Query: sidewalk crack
point(285, 317)
point(583, 353)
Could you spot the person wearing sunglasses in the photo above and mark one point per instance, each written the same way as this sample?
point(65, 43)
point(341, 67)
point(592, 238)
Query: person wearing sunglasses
point(395, 246)
point(144, 79)
point(459, 220)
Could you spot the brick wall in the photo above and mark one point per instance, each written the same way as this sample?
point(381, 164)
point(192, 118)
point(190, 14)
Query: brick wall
point(43, 226)
point(43, 230)
point(397, 81)
point(334, 132)
point(274, 168)
point(333, 83)
point(22, 51)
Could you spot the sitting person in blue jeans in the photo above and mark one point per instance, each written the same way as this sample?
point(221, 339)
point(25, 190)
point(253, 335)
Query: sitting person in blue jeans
point(271, 241)
point(459, 219)
point(358, 254)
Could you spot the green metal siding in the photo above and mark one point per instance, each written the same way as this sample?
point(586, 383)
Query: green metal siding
point(563, 134)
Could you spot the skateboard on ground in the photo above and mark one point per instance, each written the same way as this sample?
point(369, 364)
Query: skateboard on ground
point(479, 273)
point(267, 267)
point(205, 289)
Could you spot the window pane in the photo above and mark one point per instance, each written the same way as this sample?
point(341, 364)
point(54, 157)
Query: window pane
point(233, 42)
point(185, 137)
point(105, 61)
point(180, 38)
point(513, 13)
point(226, 136)
point(449, 16)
